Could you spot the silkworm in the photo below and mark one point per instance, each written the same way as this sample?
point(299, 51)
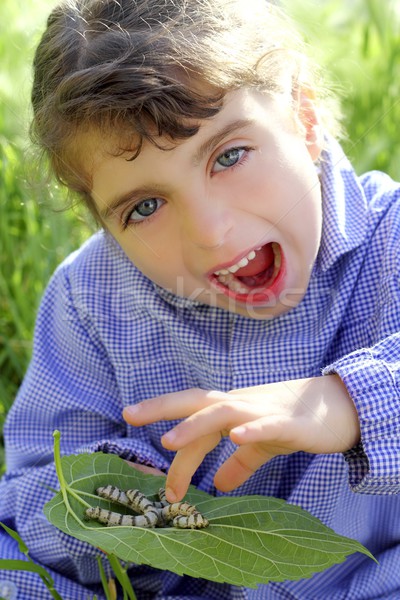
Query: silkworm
point(182, 514)
point(110, 518)
point(110, 492)
point(193, 521)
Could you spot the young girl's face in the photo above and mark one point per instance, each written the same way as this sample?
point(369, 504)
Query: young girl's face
point(230, 217)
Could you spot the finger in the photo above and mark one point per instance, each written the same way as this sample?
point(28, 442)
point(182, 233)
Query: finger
point(264, 429)
point(284, 433)
point(176, 405)
point(240, 466)
point(185, 464)
point(219, 417)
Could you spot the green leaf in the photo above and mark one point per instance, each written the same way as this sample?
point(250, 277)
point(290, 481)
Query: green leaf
point(21, 544)
point(250, 539)
point(22, 565)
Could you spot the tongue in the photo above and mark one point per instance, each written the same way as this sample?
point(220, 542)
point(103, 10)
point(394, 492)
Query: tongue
point(264, 258)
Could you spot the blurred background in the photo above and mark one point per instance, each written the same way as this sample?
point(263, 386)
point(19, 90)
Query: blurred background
point(358, 44)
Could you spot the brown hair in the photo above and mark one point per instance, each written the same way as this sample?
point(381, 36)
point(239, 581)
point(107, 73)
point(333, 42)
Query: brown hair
point(139, 69)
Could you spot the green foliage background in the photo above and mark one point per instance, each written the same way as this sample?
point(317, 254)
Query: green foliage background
point(357, 42)
point(34, 234)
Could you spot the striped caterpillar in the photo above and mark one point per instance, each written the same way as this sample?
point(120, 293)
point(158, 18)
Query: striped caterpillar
point(151, 514)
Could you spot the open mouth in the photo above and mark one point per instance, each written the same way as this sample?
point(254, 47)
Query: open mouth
point(255, 277)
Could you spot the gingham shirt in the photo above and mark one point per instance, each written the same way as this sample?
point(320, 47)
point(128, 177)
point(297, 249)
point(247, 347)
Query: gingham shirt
point(107, 337)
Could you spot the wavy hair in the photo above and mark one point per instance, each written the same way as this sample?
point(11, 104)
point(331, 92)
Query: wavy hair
point(136, 70)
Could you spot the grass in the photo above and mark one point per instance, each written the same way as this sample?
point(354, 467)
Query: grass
point(358, 43)
point(34, 237)
point(33, 240)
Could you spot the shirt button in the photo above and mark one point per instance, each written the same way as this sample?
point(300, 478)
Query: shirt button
point(8, 590)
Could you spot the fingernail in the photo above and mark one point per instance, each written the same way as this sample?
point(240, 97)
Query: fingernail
point(130, 411)
point(238, 431)
point(170, 495)
point(169, 437)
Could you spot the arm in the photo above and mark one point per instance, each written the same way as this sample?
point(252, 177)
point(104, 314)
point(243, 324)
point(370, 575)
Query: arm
point(314, 415)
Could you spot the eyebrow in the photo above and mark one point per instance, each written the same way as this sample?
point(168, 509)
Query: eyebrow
point(209, 144)
point(206, 147)
point(120, 201)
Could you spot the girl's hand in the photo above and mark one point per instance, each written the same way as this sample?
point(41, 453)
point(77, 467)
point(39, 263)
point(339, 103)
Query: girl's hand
point(313, 415)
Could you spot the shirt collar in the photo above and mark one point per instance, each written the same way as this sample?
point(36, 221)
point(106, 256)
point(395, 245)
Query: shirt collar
point(344, 225)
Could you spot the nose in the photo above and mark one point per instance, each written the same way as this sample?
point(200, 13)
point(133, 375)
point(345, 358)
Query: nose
point(206, 223)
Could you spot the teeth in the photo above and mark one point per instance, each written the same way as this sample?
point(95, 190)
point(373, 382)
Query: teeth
point(232, 283)
point(277, 256)
point(228, 279)
point(234, 268)
point(243, 262)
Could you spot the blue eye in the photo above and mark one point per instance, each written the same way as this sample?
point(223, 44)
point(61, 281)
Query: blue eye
point(143, 210)
point(228, 159)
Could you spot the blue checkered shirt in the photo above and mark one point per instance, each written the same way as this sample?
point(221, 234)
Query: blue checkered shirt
point(107, 337)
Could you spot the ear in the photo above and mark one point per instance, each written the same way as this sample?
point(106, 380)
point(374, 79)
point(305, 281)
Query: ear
point(311, 124)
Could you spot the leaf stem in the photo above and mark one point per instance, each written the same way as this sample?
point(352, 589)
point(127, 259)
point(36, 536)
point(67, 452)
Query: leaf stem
point(122, 576)
point(57, 460)
point(64, 487)
point(103, 578)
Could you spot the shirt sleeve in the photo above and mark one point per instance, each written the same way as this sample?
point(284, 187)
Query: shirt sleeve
point(70, 386)
point(372, 378)
point(371, 373)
